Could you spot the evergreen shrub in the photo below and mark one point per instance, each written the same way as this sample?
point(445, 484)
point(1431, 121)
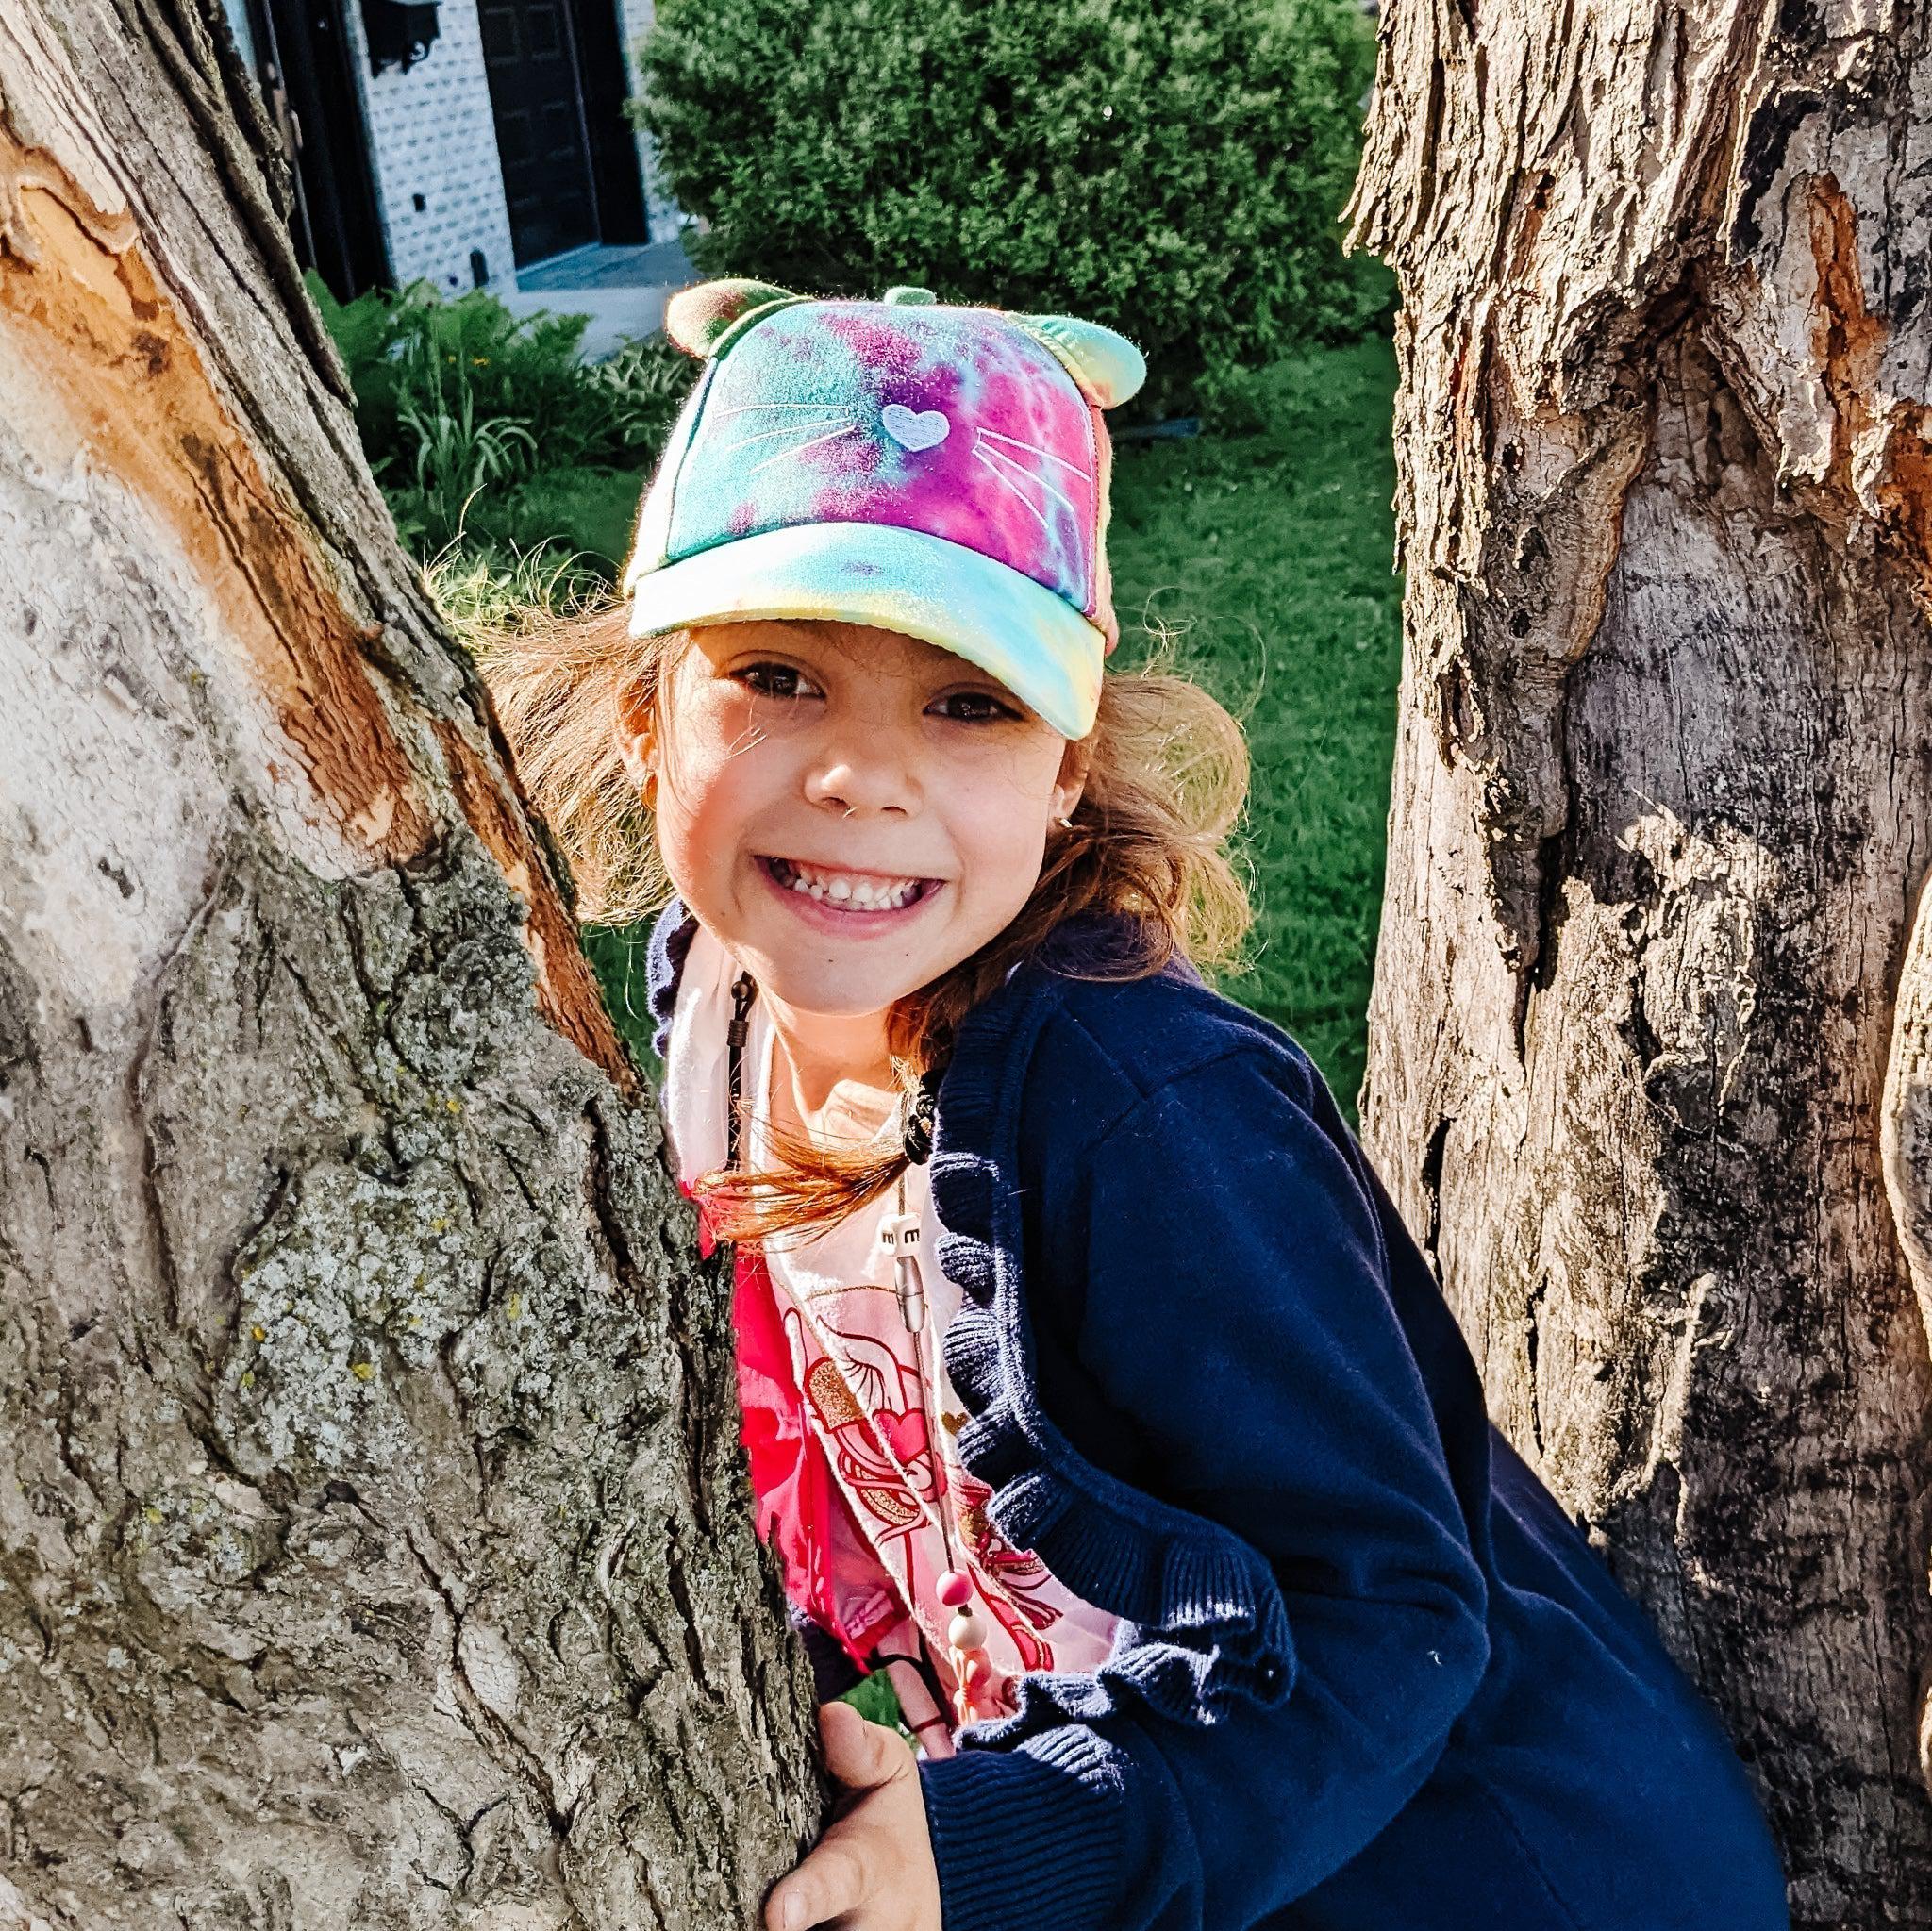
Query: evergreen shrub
point(1173, 168)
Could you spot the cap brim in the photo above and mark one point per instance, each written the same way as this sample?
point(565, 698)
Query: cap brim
point(1045, 652)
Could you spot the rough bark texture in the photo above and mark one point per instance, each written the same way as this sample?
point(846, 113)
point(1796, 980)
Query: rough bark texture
point(374, 1547)
point(1651, 1040)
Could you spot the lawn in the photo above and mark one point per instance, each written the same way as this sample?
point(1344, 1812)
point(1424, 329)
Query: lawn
point(1269, 556)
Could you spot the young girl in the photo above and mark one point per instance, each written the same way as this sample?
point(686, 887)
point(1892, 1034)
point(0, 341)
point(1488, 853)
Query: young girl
point(1093, 1386)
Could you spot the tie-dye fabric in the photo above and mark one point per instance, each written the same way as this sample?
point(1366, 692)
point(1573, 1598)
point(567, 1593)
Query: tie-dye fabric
point(933, 469)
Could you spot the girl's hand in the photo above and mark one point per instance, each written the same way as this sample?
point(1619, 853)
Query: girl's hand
point(873, 1869)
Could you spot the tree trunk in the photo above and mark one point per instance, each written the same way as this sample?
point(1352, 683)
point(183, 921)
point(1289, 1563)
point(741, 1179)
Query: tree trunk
point(1651, 1040)
point(374, 1547)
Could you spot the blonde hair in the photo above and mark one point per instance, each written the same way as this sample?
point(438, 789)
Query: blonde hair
point(1166, 781)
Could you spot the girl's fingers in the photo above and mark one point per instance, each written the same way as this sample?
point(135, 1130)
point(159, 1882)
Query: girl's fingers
point(828, 1883)
point(861, 1755)
point(835, 1879)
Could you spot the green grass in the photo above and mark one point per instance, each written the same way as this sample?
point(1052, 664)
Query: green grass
point(1267, 554)
point(591, 509)
point(617, 956)
point(1271, 554)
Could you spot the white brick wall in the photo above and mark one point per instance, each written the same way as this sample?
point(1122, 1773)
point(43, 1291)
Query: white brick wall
point(431, 136)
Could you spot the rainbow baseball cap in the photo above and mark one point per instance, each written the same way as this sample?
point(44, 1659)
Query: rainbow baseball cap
point(933, 469)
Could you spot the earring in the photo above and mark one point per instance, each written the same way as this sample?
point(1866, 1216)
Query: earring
point(1068, 823)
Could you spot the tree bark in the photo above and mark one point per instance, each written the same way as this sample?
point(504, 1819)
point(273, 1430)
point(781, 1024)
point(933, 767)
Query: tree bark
point(374, 1547)
point(1650, 1062)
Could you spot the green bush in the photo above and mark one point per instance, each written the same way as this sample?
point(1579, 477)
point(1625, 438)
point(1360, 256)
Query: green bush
point(465, 409)
point(1174, 167)
point(594, 510)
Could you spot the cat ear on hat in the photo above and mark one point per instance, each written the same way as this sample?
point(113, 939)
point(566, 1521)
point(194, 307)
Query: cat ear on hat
point(1107, 367)
point(698, 318)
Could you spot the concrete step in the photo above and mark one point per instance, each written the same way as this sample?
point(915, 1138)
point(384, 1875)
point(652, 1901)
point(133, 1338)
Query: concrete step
point(623, 290)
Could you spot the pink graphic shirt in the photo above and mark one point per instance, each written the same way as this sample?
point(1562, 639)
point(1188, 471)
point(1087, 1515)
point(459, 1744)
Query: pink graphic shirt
point(856, 1478)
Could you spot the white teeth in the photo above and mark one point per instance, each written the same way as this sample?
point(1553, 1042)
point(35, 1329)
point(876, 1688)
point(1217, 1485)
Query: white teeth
point(853, 894)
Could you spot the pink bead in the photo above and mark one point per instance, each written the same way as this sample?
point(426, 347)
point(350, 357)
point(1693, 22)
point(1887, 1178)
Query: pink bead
point(977, 1671)
point(954, 1589)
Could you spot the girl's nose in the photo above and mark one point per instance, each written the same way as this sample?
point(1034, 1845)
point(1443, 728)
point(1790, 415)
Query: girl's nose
point(861, 779)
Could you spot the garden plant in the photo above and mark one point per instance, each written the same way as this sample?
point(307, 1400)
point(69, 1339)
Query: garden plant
point(1173, 168)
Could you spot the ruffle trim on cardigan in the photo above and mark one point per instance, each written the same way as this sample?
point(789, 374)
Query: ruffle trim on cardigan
point(1203, 1619)
point(664, 958)
point(1203, 1623)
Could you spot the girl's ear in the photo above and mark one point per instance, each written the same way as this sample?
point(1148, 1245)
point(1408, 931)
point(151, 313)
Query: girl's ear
point(697, 318)
point(637, 737)
point(640, 755)
point(1075, 761)
point(1107, 367)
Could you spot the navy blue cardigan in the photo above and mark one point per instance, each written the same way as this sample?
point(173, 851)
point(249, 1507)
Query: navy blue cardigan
point(1370, 1676)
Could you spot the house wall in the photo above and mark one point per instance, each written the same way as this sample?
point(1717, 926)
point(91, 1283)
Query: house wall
point(432, 140)
point(662, 215)
point(432, 135)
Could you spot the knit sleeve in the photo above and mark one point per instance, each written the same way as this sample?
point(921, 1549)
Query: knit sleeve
point(1234, 1311)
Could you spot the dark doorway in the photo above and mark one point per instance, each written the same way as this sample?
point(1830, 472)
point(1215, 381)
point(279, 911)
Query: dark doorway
point(613, 140)
point(302, 53)
point(570, 159)
point(542, 135)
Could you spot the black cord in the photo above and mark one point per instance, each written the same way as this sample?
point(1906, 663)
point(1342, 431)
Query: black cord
point(743, 992)
point(919, 1119)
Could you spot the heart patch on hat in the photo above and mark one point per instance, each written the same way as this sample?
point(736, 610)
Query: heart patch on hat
point(914, 428)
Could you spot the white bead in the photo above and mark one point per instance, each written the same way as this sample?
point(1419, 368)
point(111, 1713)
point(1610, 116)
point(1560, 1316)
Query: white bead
point(899, 1232)
point(966, 1631)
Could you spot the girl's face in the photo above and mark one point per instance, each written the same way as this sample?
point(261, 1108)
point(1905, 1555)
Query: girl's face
point(852, 811)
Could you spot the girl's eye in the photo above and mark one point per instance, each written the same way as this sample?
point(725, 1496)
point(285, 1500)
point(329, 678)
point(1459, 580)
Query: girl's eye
point(972, 707)
point(776, 680)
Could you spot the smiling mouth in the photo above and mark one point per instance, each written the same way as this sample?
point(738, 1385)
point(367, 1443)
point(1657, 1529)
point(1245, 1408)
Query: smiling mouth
point(848, 891)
